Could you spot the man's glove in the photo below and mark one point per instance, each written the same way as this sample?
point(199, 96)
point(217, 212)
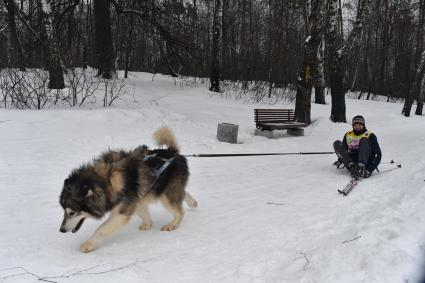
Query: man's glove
point(367, 173)
point(339, 164)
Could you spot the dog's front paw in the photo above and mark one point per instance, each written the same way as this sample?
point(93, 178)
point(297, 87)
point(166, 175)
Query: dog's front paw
point(169, 227)
point(145, 226)
point(87, 247)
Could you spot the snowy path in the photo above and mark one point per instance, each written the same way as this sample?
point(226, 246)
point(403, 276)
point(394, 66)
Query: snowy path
point(260, 219)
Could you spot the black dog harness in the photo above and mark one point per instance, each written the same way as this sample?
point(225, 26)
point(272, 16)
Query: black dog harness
point(156, 171)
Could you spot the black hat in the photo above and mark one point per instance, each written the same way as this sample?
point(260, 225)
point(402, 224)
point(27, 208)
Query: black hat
point(358, 119)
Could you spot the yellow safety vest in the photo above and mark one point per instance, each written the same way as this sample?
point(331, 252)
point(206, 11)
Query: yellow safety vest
point(353, 141)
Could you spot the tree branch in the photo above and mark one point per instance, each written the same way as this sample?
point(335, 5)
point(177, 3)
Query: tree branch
point(3, 29)
point(347, 241)
point(357, 29)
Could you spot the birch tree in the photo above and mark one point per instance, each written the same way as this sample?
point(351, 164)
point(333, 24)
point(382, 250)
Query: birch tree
point(56, 80)
point(305, 78)
point(339, 53)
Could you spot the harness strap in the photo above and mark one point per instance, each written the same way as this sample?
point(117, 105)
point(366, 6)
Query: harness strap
point(149, 156)
point(157, 172)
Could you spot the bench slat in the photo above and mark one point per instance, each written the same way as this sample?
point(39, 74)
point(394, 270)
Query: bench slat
point(280, 126)
point(266, 118)
point(275, 119)
point(273, 110)
point(274, 114)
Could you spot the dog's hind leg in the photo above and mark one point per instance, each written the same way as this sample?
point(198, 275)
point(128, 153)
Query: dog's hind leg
point(143, 212)
point(114, 223)
point(191, 202)
point(176, 209)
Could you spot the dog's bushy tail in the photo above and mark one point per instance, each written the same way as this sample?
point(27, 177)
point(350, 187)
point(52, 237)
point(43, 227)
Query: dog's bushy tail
point(164, 136)
point(191, 202)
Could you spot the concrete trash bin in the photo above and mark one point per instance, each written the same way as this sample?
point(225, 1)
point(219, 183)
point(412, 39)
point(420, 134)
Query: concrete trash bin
point(227, 132)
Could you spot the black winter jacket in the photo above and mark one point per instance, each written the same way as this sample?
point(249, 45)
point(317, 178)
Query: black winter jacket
point(375, 152)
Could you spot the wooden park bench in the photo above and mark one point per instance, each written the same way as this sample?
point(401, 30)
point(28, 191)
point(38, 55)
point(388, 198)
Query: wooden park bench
point(278, 119)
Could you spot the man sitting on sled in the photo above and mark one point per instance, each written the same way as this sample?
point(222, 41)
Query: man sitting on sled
point(358, 151)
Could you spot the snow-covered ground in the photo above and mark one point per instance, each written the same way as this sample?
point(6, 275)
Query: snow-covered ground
point(260, 219)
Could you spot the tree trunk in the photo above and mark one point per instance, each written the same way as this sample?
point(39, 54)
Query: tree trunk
point(18, 53)
point(415, 90)
point(420, 100)
point(270, 48)
point(224, 38)
point(407, 107)
point(103, 39)
point(383, 89)
point(420, 85)
point(338, 56)
point(287, 70)
point(129, 46)
point(304, 86)
point(318, 70)
point(340, 22)
point(420, 31)
point(337, 71)
point(305, 78)
point(319, 76)
point(419, 46)
point(56, 80)
point(216, 47)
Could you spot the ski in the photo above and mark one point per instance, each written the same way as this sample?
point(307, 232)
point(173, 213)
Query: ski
point(354, 182)
point(349, 187)
point(398, 166)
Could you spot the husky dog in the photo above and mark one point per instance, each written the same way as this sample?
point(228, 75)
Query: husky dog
point(124, 183)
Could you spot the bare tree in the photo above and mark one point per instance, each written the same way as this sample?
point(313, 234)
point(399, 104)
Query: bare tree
point(129, 44)
point(338, 55)
point(319, 75)
point(311, 46)
point(216, 47)
point(421, 96)
point(56, 79)
point(415, 90)
point(420, 46)
point(103, 39)
point(16, 46)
